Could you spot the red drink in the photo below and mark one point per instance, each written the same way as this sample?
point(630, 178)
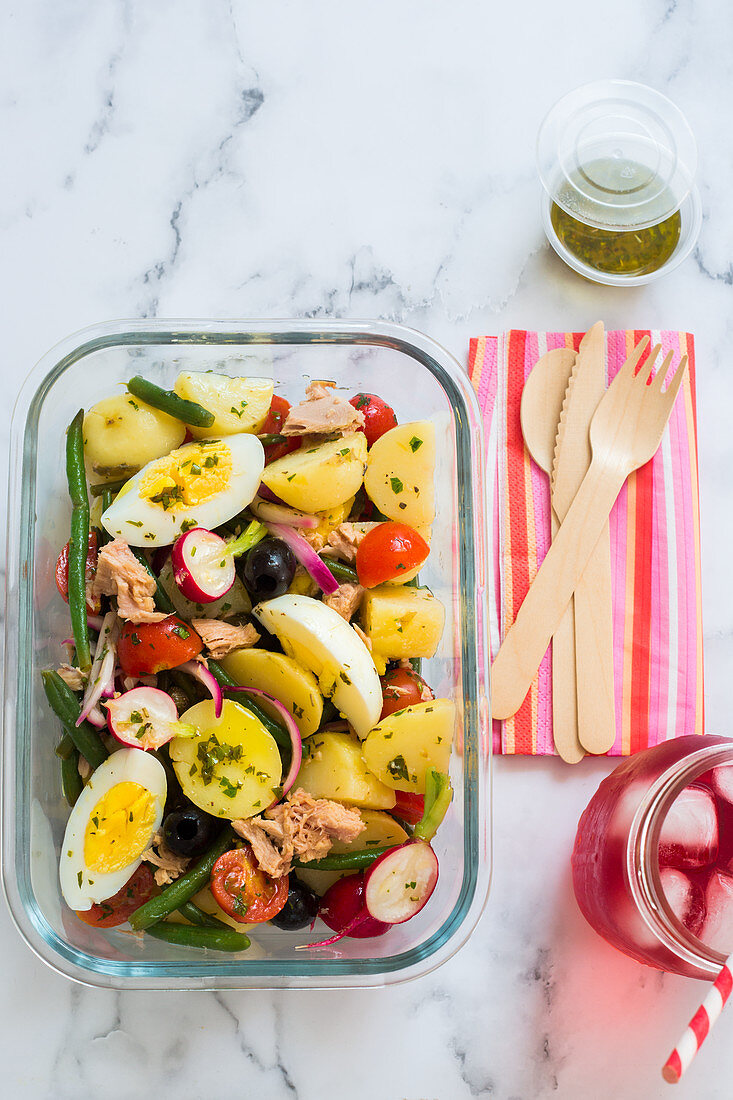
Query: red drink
point(653, 856)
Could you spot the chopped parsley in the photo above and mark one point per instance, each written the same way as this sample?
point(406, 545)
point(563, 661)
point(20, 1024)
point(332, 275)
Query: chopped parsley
point(397, 768)
point(415, 443)
point(135, 522)
point(397, 486)
point(180, 630)
point(189, 524)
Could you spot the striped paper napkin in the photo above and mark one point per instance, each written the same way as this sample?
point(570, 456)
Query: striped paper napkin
point(655, 550)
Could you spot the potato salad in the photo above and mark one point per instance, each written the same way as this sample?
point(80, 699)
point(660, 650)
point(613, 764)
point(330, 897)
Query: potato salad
point(246, 733)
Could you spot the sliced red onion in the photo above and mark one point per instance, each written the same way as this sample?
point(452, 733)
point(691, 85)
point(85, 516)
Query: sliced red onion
point(360, 918)
point(102, 674)
point(94, 622)
point(96, 718)
point(145, 718)
point(292, 727)
point(267, 494)
point(307, 556)
point(201, 673)
point(280, 513)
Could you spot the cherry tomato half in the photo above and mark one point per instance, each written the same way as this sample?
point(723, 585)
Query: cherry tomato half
point(402, 687)
point(379, 417)
point(387, 551)
point(141, 887)
point(62, 571)
point(279, 409)
point(409, 807)
point(147, 648)
point(244, 891)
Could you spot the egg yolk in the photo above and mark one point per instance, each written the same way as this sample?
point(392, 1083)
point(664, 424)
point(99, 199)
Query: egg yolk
point(188, 476)
point(119, 828)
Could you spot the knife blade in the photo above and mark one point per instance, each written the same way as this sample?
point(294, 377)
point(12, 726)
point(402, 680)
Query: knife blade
point(592, 602)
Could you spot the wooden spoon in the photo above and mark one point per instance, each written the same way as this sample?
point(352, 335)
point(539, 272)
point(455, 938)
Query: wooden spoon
point(542, 399)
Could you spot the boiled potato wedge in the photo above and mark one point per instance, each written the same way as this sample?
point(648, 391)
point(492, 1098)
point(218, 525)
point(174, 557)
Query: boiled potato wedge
point(400, 473)
point(402, 622)
point(122, 434)
point(334, 768)
point(291, 684)
point(404, 745)
point(381, 832)
point(232, 768)
point(318, 479)
point(238, 404)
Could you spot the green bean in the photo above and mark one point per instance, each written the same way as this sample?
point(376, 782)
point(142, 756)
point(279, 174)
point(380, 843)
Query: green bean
point(79, 539)
point(346, 861)
point(185, 935)
point(197, 916)
point(162, 599)
point(183, 888)
point(71, 783)
point(226, 681)
point(66, 706)
point(341, 571)
point(108, 487)
point(169, 402)
point(64, 748)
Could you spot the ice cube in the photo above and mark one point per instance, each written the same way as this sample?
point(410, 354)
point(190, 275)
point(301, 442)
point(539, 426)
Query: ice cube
point(689, 836)
point(717, 928)
point(721, 780)
point(685, 898)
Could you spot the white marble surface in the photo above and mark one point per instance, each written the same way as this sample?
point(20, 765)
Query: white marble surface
point(207, 158)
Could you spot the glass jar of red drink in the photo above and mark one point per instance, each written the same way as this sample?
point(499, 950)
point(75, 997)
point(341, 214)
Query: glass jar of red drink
point(649, 892)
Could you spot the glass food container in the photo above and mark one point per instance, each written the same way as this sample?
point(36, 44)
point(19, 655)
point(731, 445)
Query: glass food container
point(617, 161)
point(616, 873)
point(419, 379)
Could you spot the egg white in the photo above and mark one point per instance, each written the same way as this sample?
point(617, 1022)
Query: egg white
point(80, 886)
point(142, 523)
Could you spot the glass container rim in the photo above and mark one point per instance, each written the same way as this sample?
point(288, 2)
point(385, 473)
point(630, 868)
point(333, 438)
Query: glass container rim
point(473, 671)
point(642, 864)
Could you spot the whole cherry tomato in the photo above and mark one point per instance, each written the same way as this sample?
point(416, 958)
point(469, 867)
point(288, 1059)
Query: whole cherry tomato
point(147, 648)
point(402, 687)
point(244, 891)
point(388, 551)
point(62, 571)
point(379, 417)
point(141, 887)
point(279, 409)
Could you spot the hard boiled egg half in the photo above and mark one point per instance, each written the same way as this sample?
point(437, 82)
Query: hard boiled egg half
point(112, 823)
point(202, 484)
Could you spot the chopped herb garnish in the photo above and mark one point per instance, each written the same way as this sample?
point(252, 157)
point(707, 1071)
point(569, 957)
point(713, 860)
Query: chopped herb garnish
point(396, 484)
point(135, 522)
point(180, 630)
point(135, 638)
point(189, 524)
point(397, 768)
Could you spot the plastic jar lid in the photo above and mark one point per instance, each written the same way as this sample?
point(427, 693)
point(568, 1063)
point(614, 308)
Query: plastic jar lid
point(616, 155)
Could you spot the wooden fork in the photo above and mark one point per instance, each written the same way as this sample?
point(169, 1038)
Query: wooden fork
point(625, 432)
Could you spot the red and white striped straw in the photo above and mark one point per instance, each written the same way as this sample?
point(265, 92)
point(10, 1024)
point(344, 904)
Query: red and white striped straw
point(700, 1024)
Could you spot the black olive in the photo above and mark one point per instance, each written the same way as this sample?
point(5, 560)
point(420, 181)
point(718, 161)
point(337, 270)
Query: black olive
point(269, 569)
point(299, 910)
point(190, 831)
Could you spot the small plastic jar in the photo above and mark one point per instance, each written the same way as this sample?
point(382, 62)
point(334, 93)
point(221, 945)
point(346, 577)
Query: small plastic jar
point(617, 162)
point(615, 862)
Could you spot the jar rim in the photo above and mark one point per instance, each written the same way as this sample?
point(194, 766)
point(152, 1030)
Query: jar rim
point(642, 863)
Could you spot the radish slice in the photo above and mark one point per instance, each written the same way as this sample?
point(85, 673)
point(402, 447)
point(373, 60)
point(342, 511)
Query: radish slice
point(200, 672)
point(349, 929)
point(202, 569)
point(280, 513)
point(103, 666)
point(307, 556)
point(292, 728)
point(145, 718)
point(399, 883)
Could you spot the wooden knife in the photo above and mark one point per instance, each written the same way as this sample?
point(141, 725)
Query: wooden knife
point(593, 613)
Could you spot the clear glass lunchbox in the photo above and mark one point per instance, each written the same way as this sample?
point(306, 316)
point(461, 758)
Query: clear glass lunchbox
point(419, 379)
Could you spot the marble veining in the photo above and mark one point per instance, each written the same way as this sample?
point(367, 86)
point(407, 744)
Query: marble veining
point(228, 159)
